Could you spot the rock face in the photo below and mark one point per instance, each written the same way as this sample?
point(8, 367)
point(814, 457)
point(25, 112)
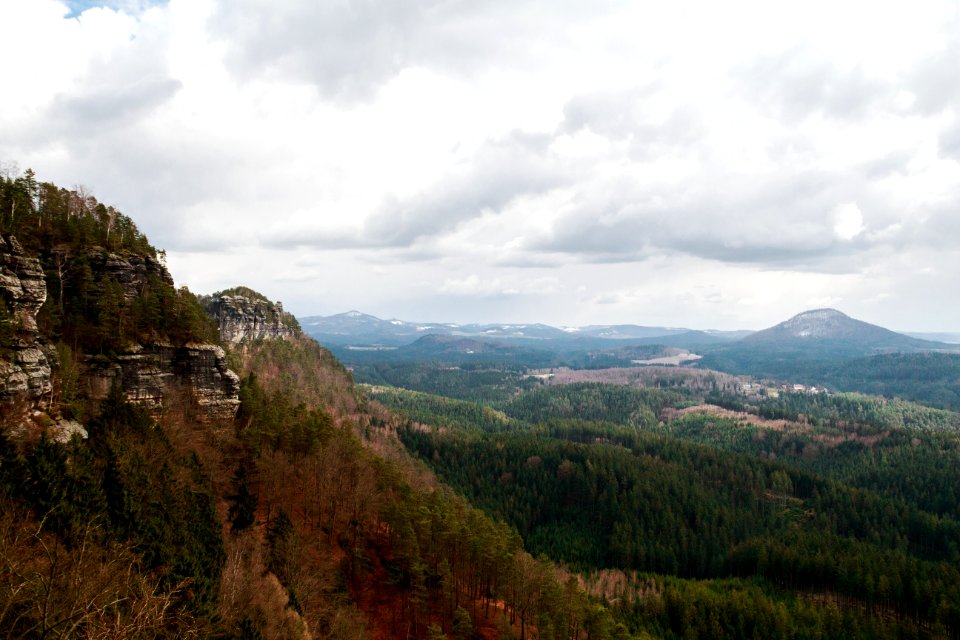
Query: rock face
point(150, 375)
point(153, 375)
point(25, 368)
point(248, 318)
point(132, 272)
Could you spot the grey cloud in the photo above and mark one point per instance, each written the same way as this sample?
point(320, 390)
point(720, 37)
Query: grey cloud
point(501, 171)
point(783, 222)
point(118, 90)
point(794, 87)
point(628, 114)
point(614, 113)
point(112, 105)
point(950, 141)
point(345, 48)
point(934, 80)
point(348, 48)
point(938, 228)
point(887, 165)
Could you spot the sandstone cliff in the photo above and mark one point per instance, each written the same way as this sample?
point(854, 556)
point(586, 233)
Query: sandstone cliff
point(245, 315)
point(152, 374)
point(25, 367)
point(132, 272)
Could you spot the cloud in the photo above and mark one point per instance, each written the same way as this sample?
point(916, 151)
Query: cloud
point(501, 171)
point(776, 220)
point(949, 143)
point(848, 221)
point(645, 117)
point(131, 7)
point(436, 150)
point(933, 79)
point(475, 286)
point(795, 85)
point(348, 50)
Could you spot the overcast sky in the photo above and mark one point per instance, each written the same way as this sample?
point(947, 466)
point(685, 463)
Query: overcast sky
point(702, 164)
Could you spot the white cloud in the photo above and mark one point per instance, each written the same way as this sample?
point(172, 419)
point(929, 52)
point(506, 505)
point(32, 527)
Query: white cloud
point(484, 161)
point(848, 221)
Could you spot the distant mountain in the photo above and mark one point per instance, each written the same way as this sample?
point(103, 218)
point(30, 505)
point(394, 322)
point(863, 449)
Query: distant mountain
point(810, 343)
point(825, 328)
point(356, 328)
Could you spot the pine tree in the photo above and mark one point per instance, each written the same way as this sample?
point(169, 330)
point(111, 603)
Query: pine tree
point(243, 504)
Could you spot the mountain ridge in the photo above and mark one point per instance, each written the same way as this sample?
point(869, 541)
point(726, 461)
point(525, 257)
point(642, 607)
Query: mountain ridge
point(356, 327)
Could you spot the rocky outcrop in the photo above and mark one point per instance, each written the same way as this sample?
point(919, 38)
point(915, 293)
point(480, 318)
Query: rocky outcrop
point(132, 272)
point(156, 376)
point(150, 375)
point(24, 360)
point(246, 318)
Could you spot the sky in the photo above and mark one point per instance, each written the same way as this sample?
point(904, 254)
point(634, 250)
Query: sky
point(691, 163)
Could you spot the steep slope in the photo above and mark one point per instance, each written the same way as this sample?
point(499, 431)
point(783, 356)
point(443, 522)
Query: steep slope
point(302, 518)
point(87, 303)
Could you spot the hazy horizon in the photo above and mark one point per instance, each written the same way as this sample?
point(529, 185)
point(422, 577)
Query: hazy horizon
point(954, 334)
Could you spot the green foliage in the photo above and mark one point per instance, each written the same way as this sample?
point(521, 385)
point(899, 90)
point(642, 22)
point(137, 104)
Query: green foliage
point(11, 467)
point(441, 412)
point(462, 624)
point(301, 370)
point(284, 555)
point(861, 504)
point(607, 506)
point(127, 483)
point(895, 448)
point(837, 410)
point(79, 242)
point(491, 385)
point(43, 216)
point(166, 509)
point(243, 504)
point(593, 402)
point(931, 378)
point(271, 420)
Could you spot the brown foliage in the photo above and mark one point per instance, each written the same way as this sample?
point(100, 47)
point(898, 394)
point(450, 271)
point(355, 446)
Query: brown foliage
point(88, 590)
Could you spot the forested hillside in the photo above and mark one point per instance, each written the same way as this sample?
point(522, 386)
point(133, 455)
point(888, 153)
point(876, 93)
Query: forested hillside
point(836, 512)
point(681, 511)
point(83, 246)
point(302, 516)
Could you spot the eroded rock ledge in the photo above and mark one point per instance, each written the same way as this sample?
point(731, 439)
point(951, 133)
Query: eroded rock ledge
point(247, 318)
point(154, 376)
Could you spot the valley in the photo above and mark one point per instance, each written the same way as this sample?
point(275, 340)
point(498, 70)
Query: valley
point(174, 465)
point(450, 320)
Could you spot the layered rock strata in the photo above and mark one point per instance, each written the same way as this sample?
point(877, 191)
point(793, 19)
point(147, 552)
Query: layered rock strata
point(245, 319)
point(150, 375)
point(133, 272)
point(25, 367)
point(156, 375)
